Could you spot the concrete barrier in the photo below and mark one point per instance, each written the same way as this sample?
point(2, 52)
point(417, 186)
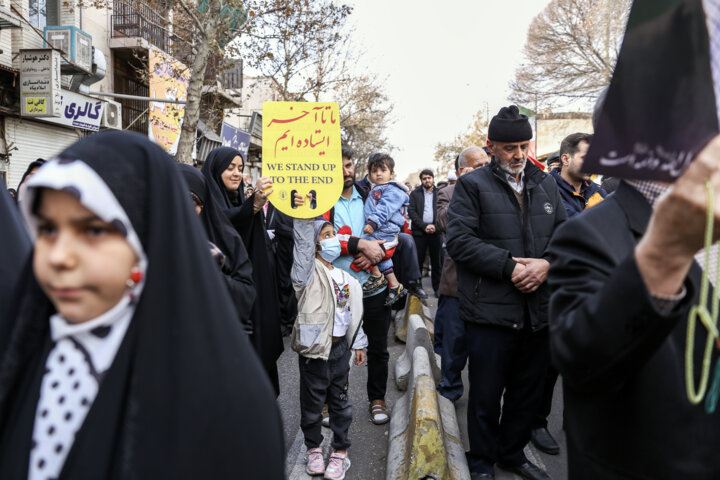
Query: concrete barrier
point(425, 438)
point(413, 306)
point(417, 336)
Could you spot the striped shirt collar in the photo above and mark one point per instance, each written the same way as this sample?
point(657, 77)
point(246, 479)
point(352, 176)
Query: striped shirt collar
point(649, 189)
point(712, 19)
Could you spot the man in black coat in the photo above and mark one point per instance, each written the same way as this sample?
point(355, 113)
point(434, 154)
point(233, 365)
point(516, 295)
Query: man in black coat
point(501, 220)
point(423, 215)
point(624, 279)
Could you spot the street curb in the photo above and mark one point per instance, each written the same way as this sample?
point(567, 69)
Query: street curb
point(413, 306)
point(417, 336)
point(424, 434)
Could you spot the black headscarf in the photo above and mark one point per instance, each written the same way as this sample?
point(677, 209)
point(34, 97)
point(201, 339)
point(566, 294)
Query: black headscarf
point(33, 165)
point(266, 337)
point(215, 164)
point(185, 396)
point(220, 231)
point(14, 254)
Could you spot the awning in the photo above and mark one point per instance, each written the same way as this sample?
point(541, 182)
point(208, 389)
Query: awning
point(8, 19)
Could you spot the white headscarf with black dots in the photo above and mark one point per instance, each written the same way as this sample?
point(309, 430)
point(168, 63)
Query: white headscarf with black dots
point(83, 352)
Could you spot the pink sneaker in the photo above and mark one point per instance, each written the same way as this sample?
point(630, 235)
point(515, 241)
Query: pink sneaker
point(315, 462)
point(337, 466)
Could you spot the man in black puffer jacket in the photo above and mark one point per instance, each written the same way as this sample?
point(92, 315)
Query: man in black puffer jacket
point(500, 223)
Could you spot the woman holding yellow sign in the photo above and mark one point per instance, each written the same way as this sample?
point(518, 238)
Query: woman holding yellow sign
point(223, 170)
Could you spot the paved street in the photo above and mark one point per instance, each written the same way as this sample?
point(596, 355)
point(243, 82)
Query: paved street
point(370, 442)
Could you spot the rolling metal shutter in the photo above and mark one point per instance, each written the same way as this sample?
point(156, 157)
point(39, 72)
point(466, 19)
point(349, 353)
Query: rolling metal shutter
point(30, 140)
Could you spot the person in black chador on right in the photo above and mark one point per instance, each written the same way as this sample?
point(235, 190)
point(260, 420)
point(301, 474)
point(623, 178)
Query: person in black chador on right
point(626, 274)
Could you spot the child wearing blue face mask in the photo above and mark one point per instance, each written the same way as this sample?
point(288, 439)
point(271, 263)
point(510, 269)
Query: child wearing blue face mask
point(327, 328)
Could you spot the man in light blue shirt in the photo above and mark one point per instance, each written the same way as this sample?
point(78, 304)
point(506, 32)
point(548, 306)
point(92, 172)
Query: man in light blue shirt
point(348, 218)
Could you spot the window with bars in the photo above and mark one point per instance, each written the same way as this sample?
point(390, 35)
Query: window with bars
point(43, 13)
point(134, 112)
point(138, 19)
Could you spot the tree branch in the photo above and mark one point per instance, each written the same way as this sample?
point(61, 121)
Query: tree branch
point(198, 24)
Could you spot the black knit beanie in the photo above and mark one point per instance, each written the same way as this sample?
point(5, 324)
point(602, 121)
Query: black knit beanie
point(509, 125)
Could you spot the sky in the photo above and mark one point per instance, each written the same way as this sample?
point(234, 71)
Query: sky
point(441, 62)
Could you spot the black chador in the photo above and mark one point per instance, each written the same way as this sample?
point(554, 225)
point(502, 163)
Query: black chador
point(265, 316)
point(236, 266)
point(183, 396)
point(282, 227)
point(14, 255)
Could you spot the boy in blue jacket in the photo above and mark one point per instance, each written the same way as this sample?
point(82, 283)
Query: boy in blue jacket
point(384, 220)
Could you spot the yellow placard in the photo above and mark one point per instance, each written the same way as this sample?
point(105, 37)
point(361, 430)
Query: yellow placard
point(302, 153)
point(169, 79)
point(35, 105)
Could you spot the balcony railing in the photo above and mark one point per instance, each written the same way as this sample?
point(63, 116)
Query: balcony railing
point(137, 19)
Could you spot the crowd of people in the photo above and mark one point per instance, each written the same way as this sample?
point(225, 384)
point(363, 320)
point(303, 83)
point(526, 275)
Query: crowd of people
point(141, 320)
point(84, 308)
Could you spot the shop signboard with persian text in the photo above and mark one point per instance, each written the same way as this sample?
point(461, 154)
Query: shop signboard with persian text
point(40, 83)
point(79, 111)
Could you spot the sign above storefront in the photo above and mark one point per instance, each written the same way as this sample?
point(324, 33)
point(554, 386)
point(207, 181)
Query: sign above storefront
point(40, 94)
point(79, 111)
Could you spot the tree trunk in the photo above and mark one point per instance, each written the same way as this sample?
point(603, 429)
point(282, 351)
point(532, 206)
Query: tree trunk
point(197, 77)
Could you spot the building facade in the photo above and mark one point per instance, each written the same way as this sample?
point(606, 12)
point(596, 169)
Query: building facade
point(122, 36)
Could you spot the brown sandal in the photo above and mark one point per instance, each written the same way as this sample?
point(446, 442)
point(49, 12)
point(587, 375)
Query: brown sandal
point(379, 413)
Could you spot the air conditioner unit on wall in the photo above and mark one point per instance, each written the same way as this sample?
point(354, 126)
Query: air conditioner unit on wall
point(112, 115)
point(75, 45)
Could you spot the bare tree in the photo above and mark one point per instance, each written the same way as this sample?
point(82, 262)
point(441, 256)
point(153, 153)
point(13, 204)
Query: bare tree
point(299, 47)
point(204, 29)
point(474, 134)
point(205, 32)
point(302, 46)
point(197, 31)
point(365, 114)
point(286, 40)
point(308, 54)
point(570, 52)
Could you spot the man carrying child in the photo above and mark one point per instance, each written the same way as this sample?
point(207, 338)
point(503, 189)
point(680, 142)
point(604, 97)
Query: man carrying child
point(384, 220)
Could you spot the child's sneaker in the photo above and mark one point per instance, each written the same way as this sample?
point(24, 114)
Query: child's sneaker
point(315, 461)
point(374, 284)
point(395, 294)
point(338, 465)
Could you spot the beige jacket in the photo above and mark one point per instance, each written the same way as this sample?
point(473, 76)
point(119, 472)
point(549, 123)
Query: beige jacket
point(312, 332)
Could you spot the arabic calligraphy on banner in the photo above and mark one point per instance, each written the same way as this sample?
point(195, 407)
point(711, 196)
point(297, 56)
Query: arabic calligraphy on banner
point(302, 153)
point(40, 82)
point(169, 79)
point(79, 111)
